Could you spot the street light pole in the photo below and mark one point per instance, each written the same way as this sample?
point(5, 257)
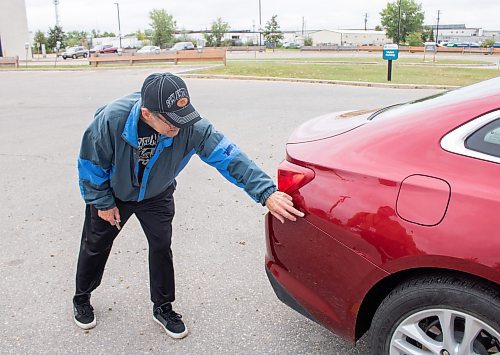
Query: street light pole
point(119, 25)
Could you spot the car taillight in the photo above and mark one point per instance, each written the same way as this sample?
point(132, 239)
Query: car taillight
point(292, 177)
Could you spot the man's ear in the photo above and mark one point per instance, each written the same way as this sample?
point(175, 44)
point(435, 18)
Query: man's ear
point(146, 113)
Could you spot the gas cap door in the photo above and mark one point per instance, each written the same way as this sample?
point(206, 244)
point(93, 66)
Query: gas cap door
point(423, 199)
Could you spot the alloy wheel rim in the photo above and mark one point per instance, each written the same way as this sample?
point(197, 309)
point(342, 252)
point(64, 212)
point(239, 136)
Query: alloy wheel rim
point(443, 331)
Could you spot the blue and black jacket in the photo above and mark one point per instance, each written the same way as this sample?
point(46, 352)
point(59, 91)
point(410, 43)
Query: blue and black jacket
point(109, 159)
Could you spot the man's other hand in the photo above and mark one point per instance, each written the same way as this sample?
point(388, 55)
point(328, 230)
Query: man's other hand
point(281, 206)
point(112, 215)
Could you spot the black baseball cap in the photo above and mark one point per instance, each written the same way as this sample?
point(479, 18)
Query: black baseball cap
point(167, 94)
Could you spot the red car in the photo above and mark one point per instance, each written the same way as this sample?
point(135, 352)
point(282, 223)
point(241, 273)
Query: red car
point(106, 48)
point(401, 234)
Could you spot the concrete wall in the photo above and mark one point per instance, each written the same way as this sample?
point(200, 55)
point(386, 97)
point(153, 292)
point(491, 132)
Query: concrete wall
point(14, 28)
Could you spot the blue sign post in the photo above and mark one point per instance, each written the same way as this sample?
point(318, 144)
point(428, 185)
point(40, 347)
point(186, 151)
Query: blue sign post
point(390, 52)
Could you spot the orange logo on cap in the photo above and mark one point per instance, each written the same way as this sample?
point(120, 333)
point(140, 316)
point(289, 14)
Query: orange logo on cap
point(182, 102)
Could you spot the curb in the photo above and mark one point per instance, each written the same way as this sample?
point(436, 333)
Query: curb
point(322, 81)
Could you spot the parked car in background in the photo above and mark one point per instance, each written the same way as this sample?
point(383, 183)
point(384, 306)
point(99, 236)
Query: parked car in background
point(400, 235)
point(496, 45)
point(106, 48)
point(464, 45)
point(149, 50)
point(75, 52)
point(291, 45)
point(180, 46)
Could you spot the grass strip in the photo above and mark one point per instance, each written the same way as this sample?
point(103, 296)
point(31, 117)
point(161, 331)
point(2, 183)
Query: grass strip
point(358, 72)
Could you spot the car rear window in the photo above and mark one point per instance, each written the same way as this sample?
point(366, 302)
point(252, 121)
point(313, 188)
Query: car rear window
point(486, 139)
point(449, 98)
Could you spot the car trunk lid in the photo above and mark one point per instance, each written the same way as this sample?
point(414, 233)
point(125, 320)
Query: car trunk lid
point(329, 125)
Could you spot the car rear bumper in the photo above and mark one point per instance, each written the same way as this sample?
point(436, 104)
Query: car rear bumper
point(316, 275)
point(286, 267)
point(285, 297)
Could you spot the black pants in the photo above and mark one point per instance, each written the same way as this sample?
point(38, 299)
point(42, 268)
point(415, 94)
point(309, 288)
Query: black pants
point(155, 215)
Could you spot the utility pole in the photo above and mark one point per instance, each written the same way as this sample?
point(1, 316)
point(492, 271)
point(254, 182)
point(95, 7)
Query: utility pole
point(399, 21)
point(366, 19)
point(119, 25)
point(56, 6)
point(437, 27)
point(260, 25)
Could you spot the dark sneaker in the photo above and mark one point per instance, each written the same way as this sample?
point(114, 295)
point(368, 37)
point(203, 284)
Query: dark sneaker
point(170, 321)
point(84, 315)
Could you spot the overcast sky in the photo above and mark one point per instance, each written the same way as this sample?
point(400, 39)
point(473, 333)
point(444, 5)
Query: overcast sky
point(244, 15)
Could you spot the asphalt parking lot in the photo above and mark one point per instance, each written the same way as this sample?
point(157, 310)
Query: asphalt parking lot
point(218, 242)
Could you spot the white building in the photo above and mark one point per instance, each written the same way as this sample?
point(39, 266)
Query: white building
point(126, 41)
point(347, 37)
point(461, 34)
point(456, 33)
point(244, 37)
point(323, 37)
point(14, 33)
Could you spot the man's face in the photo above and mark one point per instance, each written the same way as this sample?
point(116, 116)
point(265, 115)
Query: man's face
point(156, 121)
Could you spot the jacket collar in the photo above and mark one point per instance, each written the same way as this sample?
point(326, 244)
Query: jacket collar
point(129, 133)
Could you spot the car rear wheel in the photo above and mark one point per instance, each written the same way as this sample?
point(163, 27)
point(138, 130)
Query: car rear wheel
point(84, 55)
point(438, 315)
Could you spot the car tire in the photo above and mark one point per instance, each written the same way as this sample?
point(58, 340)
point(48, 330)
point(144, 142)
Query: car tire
point(73, 56)
point(85, 55)
point(64, 57)
point(410, 319)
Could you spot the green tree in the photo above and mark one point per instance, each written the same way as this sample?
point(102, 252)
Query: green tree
point(55, 34)
point(415, 39)
point(108, 34)
point(428, 34)
point(163, 26)
point(217, 31)
point(308, 41)
point(209, 39)
point(412, 19)
point(140, 35)
point(75, 38)
point(378, 28)
point(272, 32)
point(39, 39)
point(488, 43)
